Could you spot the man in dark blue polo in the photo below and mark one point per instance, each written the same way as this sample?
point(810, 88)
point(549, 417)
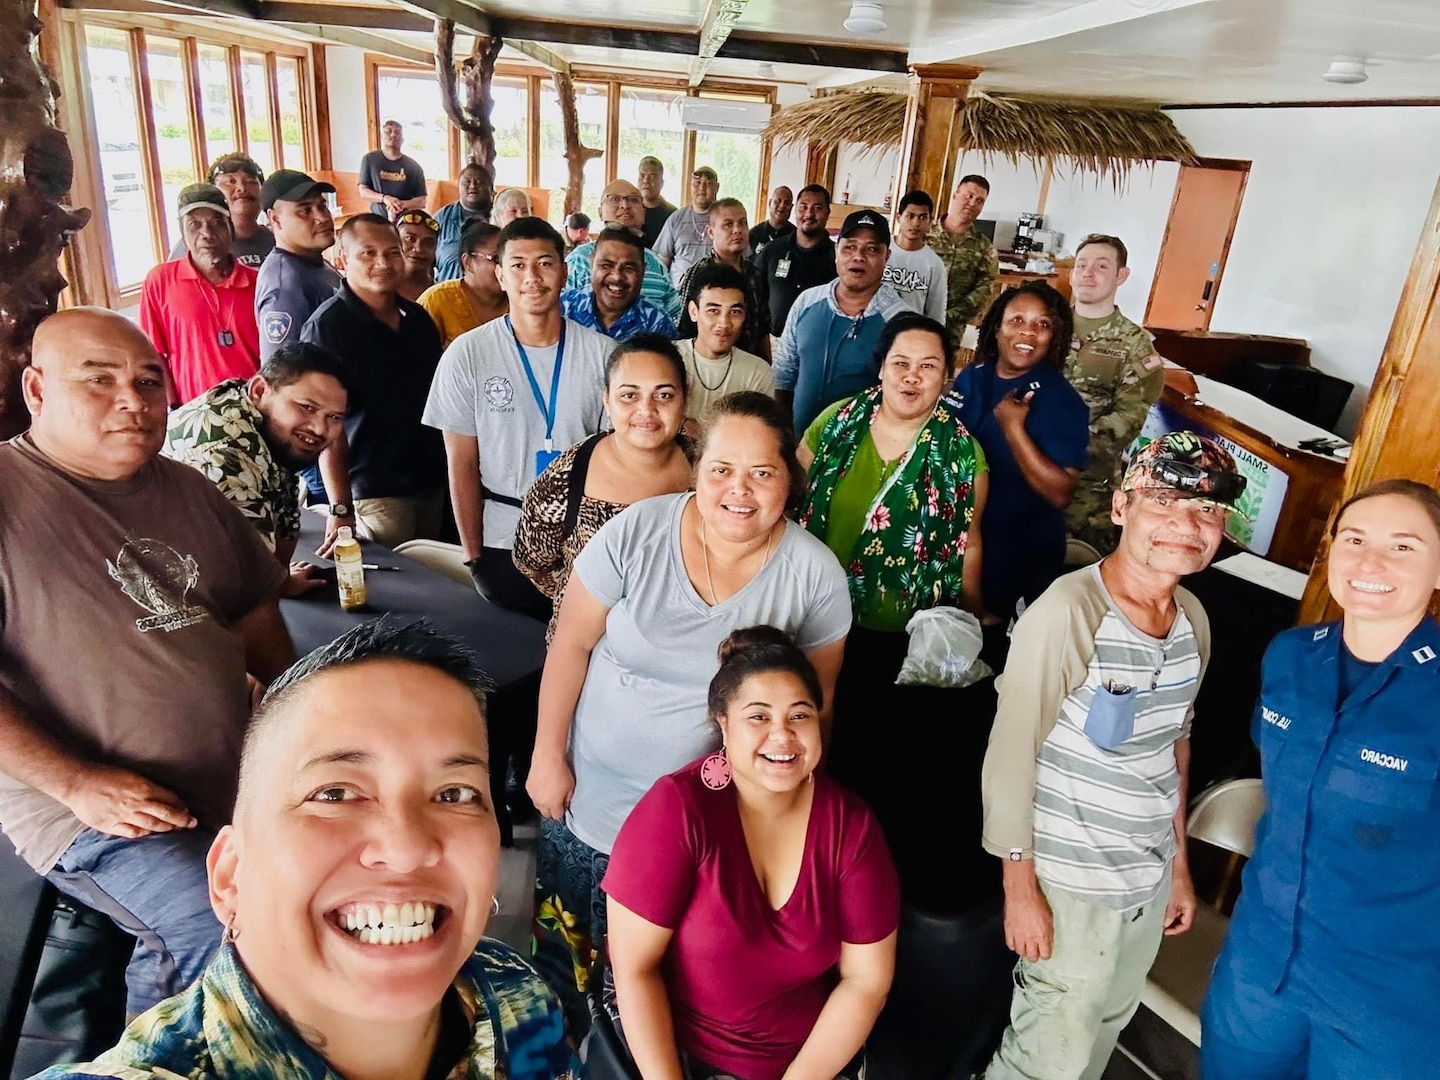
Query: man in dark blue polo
point(612, 303)
point(294, 279)
point(385, 475)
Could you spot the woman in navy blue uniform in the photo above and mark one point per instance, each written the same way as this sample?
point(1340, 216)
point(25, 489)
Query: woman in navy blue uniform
point(1035, 431)
point(1332, 965)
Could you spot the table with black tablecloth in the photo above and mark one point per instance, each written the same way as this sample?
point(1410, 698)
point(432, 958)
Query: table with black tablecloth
point(510, 647)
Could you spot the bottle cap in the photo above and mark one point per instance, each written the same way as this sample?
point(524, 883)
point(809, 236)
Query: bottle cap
point(344, 535)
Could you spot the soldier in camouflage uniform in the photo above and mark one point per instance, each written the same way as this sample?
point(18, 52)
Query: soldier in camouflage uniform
point(969, 257)
point(1114, 367)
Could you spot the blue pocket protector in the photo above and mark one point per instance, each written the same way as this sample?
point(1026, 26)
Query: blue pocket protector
point(1111, 719)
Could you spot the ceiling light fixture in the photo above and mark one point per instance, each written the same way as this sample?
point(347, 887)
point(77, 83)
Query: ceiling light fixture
point(866, 17)
point(1347, 70)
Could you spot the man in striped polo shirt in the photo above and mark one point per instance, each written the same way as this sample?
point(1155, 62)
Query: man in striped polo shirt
point(1084, 780)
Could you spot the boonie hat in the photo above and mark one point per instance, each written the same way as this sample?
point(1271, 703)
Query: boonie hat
point(290, 185)
point(236, 162)
point(202, 197)
point(1189, 466)
point(866, 219)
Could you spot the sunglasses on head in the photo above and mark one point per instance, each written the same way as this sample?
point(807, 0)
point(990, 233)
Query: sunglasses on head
point(1224, 487)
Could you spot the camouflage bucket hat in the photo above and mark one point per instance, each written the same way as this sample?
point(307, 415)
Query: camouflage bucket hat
point(1189, 465)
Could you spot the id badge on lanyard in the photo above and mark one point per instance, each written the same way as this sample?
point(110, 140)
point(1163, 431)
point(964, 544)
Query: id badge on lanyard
point(544, 457)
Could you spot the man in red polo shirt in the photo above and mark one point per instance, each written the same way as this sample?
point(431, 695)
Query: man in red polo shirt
point(200, 310)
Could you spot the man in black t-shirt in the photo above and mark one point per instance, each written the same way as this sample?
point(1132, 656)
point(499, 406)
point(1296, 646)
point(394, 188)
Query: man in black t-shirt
point(802, 260)
point(776, 225)
point(391, 181)
point(657, 209)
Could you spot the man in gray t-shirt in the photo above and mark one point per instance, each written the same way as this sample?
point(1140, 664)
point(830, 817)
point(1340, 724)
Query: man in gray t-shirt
point(914, 271)
point(506, 414)
point(684, 239)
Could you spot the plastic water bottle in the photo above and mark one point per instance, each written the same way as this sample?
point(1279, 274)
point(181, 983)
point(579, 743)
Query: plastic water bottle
point(349, 570)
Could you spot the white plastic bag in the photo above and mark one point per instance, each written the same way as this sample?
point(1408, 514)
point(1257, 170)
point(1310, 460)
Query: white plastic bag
point(944, 649)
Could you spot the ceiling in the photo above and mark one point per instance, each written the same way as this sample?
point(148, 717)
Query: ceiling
point(1173, 51)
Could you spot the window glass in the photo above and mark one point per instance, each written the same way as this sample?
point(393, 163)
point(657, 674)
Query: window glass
point(650, 126)
point(173, 137)
point(592, 110)
point(255, 85)
point(215, 102)
point(122, 169)
point(292, 128)
point(414, 100)
point(511, 117)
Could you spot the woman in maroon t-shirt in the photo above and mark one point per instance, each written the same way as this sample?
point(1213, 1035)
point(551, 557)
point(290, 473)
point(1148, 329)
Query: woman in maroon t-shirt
point(752, 904)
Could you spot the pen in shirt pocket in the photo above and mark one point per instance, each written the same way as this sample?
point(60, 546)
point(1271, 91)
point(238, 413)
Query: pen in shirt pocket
point(1119, 688)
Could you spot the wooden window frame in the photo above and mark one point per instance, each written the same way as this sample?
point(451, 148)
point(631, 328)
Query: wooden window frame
point(190, 36)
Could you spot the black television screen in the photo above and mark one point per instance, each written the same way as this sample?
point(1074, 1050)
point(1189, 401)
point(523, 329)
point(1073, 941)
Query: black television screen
point(986, 229)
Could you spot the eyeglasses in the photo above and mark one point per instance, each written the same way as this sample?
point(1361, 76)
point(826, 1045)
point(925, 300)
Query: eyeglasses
point(487, 256)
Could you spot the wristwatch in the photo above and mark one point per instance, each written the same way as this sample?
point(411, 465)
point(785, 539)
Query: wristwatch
point(342, 510)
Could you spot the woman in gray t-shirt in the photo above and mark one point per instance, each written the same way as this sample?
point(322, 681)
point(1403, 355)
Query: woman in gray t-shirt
point(623, 698)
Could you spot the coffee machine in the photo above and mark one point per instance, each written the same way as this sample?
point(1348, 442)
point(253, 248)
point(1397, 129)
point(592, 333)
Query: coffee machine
point(1025, 230)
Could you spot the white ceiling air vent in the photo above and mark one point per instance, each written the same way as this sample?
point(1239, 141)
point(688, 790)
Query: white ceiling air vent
point(717, 114)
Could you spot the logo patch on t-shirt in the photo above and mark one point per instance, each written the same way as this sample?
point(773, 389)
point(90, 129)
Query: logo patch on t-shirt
point(276, 326)
point(499, 393)
point(159, 579)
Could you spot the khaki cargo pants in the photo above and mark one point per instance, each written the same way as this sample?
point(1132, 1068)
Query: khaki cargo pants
point(1068, 1011)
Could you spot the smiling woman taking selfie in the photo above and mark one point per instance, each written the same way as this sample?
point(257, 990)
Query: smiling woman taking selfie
point(622, 698)
point(753, 904)
point(1330, 964)
point(353, 889)
point(1035, 431)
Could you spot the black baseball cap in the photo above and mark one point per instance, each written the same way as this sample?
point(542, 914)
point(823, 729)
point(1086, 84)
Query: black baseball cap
point(866, 219)
point(290, 185)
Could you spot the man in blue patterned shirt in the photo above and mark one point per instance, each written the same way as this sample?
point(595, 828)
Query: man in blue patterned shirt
point(354, 886)
point(612, 303)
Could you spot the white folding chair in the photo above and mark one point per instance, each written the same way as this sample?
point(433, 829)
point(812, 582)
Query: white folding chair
point(1224, 815)
point(447, 559)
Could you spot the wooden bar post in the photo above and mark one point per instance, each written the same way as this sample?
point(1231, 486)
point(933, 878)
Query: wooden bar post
point(934, 119)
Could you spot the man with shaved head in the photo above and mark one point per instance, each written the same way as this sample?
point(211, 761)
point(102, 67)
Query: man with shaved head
point(134, 598)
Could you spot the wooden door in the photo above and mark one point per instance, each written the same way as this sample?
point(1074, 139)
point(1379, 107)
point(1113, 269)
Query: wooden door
point(1197, 240)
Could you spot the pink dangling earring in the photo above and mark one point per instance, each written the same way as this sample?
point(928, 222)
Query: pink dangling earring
point(715, 772)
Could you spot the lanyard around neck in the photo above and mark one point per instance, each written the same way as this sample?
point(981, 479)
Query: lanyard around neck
point(547, 411)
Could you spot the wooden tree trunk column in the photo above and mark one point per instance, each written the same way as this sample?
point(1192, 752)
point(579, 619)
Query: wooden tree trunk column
point(934, 121)
point(477, 132)
point(1396, 437)
point(576, 154)
point(36, 171)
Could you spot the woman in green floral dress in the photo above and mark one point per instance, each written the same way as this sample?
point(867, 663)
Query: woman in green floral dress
point(895, 483)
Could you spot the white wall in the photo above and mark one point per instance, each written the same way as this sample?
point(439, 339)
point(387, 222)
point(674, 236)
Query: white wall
point(349, 134)
point(1329, 222)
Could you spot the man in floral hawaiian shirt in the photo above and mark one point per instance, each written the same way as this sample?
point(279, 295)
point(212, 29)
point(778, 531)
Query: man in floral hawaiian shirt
point(251, 437)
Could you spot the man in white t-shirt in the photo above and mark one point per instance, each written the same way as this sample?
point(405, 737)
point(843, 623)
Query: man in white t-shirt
point(914, 270)
point(510, 396)
point(714, 367)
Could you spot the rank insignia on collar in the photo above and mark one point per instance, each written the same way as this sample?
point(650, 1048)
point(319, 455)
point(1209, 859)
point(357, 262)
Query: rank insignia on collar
point(1424, 654)
point(1323, 632)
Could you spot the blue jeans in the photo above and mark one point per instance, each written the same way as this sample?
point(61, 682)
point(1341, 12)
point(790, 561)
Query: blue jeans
point(155, 889)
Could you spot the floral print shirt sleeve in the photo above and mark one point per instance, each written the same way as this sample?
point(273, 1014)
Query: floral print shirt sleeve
point(219, 433)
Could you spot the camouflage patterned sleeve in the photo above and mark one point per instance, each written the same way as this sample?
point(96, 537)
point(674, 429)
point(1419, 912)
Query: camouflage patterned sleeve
point(972, 303)
point(1140, 386)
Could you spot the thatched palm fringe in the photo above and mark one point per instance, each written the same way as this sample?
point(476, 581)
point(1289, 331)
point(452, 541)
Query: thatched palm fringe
point(1107, 138)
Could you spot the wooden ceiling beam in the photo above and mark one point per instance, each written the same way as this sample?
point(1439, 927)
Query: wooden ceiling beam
point(715, 28)
point(362, 39)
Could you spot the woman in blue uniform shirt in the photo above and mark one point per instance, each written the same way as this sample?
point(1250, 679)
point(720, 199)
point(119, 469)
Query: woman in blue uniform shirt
point(1035, 431)
point(1332, 965)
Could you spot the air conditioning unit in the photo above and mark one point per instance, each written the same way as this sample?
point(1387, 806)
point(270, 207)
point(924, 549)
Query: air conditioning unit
point(717, 114)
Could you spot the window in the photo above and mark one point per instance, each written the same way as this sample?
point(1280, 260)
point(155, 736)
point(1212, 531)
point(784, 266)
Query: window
point(215, 105)
point(122, 167)
point(172, 127)
point(292, 137)
point(592, 109)
point(736, 159)
point(511, 117)
point(255, 86)
point(414, 100)
point(147, 158)
point(650, 125)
